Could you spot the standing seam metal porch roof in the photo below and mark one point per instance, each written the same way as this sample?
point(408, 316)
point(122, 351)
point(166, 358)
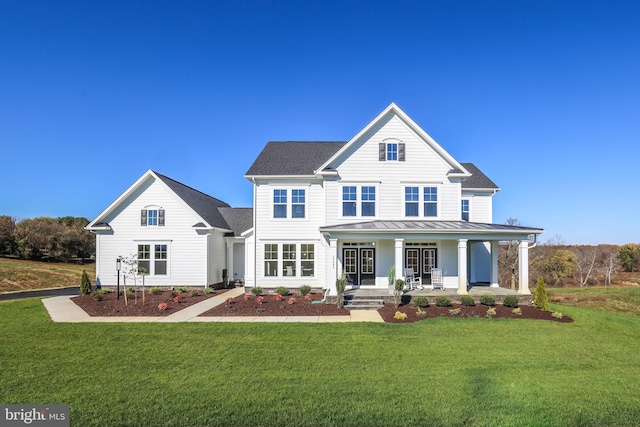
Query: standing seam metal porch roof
point(430, 226)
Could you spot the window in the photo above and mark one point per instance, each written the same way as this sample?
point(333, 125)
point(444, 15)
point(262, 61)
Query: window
point(392, 151)
point(152, 217)
point(411, 199)
point(289, 260)
point(349, 197)
point(279, 203)
point(144, 259)
point(368, 201)
point(465, 210)
point(297, 203)
point(430, 201)
point(271, 260)
point(153, 263)
point(307, 257)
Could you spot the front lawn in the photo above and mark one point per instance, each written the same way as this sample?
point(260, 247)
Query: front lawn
point(436, 372)
point(621, 299)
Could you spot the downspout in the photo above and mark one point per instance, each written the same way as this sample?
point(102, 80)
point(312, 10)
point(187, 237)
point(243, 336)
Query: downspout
point(255, 234)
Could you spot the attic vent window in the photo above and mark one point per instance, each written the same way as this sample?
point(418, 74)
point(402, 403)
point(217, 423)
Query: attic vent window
point(152, 217)
point(391, 151)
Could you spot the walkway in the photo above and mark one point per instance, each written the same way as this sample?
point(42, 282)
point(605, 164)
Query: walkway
point(62, 309)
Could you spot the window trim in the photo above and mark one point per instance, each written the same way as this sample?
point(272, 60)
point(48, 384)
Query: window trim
point(296, 257)
point(468, 211)
point(289, 204)
point(421, 200)
point(151, 272)
point(358, 201)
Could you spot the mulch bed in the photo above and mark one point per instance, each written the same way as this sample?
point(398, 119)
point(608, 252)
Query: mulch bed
point(389, 310)
point(110, 306)
point(272, 307)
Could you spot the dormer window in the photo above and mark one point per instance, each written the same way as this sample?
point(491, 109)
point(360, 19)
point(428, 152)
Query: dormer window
point(152, 217)
point(392, 151)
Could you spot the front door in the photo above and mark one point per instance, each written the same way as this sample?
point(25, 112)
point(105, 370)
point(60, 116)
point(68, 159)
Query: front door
point(421, 260)
point(359, 266)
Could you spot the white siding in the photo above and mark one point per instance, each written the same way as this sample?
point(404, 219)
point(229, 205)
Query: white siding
point(480, 206)
point(480, 261)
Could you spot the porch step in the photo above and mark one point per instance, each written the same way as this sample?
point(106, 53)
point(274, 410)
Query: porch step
point(354, 302)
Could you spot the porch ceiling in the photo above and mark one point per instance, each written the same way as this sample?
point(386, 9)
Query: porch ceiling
point(431, 227)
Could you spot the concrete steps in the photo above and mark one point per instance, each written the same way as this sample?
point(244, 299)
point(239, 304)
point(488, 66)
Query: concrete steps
point(368, 302)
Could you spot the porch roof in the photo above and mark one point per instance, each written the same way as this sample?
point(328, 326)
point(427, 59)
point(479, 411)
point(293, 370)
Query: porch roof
point(432, 227)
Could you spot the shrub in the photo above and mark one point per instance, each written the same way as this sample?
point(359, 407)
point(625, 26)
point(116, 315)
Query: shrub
point(467, 300)
point(174, 293)
point(98, 296)
point(195, 293)
point(208, 290)
point(162, 306)
point(246, 297)
point(260, 299)
point(491, 312)
point(443, 301)
point(510, 301)
point(540, 300)
point(85, 284)
point(255, 291)
point(420, 312)
point(281, 290)
point(291, 301)
point(305, 289)
point(177, 299)
point(308, 296)
point(341, 285)
point(420, 302)
point(455, 311)
point(155, 290)
point(279, 297)
point(400, 315)
point(556, 314)
point(397, 294)
point(517, 311)
point(181, 289)
point(487, 299)
point(104, 291)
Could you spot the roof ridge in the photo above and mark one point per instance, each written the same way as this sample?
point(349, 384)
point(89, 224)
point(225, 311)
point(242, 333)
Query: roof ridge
point(189, 187)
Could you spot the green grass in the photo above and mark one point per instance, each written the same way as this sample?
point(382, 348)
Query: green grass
point(17, 275)
point(621, 299)
point(438, 372)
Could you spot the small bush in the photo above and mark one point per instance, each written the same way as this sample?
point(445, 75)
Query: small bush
point(397, 293)
point(85, 284)
point(155, 290)
point(467, 300)
point(540, 300)
point(400, 315)
point(177, 299)
point(181, 289)
point(510, 301)
point(420, 312)
point(517, 311)
point(162, 306)
point(255, 291)
point(305, 289)
point(420, 302)
point(557, 315)
point(487, 299)
point(443, 301)
point(174, 293)
point(208, 290)
point(104, 291)
point(455, 311)
point(280, 290)
point(491, 312)
point(291, 301)
point(98, 296)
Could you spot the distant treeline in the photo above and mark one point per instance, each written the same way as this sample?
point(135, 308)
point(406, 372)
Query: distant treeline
point(47, 239)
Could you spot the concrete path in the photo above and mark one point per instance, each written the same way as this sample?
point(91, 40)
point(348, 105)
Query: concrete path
point(62, 309)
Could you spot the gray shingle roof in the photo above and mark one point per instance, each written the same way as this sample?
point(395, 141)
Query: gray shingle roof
point(293, 157)
point(239, 219)
point(477, 178)
point(203, 204)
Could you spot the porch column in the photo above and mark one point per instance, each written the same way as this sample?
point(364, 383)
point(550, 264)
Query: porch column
point(398, 258)
point(523, 267)
point(229, 260)
point(494, 263)
point(335, 270)
point(462, 266)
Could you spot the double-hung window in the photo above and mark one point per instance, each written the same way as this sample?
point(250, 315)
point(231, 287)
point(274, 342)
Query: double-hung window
point(271, 259)
point(152, 217)
point(368, 201)
point(153, 259)
point(411, 201)
point(279, 203)
point(289, 260)
point(465, 210)
point(297, 203)
point(392, 151)
point(307, 258)
point(349, 200)
point(430, 201)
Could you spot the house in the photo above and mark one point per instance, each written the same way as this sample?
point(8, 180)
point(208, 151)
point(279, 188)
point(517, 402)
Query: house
point(390, 196)
point(181, 236)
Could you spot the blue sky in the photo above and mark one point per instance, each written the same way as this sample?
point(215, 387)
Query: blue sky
point(543, 96)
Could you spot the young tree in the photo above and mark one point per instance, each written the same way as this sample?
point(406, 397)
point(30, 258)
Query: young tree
point(585, 259)
point(508, 257)
point(610, 265)
point(629, 257)
point(540, 300)
point(85, 284)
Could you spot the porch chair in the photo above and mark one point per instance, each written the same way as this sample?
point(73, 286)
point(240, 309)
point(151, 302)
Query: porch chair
point(411, 281)
point(436, 279)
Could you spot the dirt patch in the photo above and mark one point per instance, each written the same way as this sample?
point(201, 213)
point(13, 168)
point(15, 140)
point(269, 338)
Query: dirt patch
point(271, 306)
point(111, 306)
point(389, 310)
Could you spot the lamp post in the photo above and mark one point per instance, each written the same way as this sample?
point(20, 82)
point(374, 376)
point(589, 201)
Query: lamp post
point(118, 263)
